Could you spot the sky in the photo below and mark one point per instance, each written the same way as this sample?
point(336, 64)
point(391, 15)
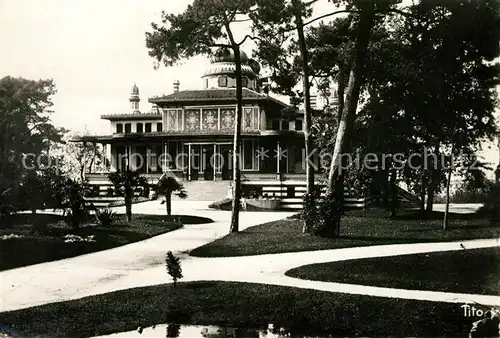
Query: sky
point(95, 51)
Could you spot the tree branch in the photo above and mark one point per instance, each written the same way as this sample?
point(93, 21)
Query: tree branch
point(228, 30)
point(402, 13)
point(249, 37)
point(310, 2)
point(329, 14)
point(221, 45)
point(242, 20)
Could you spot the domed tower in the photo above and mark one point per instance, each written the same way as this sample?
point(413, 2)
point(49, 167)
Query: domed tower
point(221, 73)
point(134, 99)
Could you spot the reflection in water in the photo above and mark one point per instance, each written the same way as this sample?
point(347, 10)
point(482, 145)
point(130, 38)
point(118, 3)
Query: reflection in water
point(173, 330)
point(196, 331)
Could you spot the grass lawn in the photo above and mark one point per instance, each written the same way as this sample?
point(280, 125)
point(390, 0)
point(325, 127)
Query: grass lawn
point(359, 228)
point(242, 305)
point(49, 245)
point(465, 271)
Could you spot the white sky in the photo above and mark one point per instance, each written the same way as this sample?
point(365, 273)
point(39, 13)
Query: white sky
point(95, 51)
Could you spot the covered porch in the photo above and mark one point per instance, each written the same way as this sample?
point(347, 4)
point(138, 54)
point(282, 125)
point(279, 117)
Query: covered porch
point(204, 158)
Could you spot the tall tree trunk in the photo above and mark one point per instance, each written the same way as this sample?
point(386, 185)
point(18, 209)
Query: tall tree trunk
point(423, 191)
point(339, 180)
point(128, 200)
point(82, 172)
point(352, 93)
point(430, 193)
point(448, 184)
point(237, 140)
point(433, 173)
point(307, 115)
point(349, 110)
point(385, 189)
point(168, 203)
point(394, 193)
point(92, 160)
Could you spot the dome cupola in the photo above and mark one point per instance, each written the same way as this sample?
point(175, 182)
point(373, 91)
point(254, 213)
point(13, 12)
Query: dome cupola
point(227, 55)
point(222, 70)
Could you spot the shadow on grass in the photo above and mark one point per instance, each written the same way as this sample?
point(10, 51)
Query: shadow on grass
point(241, 305)
point(37, 247)
point(464, 271)
point(436, 215)
point(184, 219)
point(358, 228)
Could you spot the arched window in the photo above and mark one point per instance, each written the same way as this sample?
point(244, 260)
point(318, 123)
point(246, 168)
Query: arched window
point(244, 82)
point(222, 81)
point(128, 128)
point(119, 128)
point(139, 128)
point(148, 127)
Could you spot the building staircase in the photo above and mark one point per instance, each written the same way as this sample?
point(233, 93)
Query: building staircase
point(206, 190)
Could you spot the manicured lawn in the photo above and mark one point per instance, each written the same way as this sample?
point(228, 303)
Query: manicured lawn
point(49, 245)
point(241, 305)
point(465, 271)
point(360, 228)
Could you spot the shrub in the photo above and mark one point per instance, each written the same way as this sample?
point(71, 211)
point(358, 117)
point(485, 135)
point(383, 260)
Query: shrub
point(330, 213)
point(310, 214)
point(105, 217)
point(70, 198)
point(146, 190)
point(173, 267)
point(110, 192)
point(166, 186)
point(224, 204)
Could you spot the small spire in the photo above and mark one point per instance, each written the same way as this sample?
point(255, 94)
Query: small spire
point(134, 99)
point(135, 90)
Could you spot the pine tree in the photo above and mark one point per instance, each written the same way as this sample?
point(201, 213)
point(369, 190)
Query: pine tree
point(173, 267)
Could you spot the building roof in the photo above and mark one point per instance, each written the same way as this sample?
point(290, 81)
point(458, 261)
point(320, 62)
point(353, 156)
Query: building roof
point(132, 116)
point(218, 94)
point(178, 135)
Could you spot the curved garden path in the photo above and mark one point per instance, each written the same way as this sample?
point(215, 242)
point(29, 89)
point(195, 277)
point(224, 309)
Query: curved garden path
point(141, 264)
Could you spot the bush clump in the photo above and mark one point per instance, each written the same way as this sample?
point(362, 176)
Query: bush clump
point(105, 217)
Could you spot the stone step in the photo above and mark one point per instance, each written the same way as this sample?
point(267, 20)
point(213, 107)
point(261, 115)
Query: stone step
point(206, 190)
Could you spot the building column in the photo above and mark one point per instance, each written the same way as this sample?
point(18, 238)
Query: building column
point(164, 156)
point(189, 162)
point(111, 156)
point(278, 148)
point(128, 149)
point(215, 158)
point(94, 166)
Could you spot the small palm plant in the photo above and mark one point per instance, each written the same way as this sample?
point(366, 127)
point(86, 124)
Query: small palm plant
point(105, 217)
point(70, 197)
point(173, 267)
point(166, 186)
point(125, 181)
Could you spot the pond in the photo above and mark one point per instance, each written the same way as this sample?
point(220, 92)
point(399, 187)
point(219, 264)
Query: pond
point(198, 331)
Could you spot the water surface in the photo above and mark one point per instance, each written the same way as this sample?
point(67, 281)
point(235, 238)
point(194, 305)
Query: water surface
point(199, 331)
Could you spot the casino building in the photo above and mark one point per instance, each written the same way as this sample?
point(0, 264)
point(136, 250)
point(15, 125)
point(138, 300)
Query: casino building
point(189, 133)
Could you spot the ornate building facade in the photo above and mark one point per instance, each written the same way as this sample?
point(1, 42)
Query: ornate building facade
point(189, 133)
